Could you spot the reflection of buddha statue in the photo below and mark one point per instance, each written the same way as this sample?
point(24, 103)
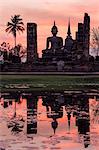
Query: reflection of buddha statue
point(54, 42)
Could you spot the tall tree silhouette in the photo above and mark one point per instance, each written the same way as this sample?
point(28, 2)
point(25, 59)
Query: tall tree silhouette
point(16, 25)
point(95, 40)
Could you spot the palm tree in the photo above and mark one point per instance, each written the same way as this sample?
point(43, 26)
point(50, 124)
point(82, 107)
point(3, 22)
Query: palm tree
point(15, 25)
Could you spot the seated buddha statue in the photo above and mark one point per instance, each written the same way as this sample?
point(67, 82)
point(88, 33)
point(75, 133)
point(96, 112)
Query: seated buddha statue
point(54, 42)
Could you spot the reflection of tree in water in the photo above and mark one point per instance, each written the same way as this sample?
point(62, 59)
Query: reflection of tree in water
point(16, 123)
point(94, 111)
point(16, 126)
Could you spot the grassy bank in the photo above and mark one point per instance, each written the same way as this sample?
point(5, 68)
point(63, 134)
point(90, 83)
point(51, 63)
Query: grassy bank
point(47, 82)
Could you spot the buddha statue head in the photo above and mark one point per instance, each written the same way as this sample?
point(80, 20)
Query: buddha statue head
point(54, 29)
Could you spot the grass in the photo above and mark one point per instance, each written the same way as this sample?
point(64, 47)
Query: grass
point(48, 82)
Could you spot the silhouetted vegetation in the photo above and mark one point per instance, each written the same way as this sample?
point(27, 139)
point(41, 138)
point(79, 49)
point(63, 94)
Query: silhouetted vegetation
point(16, 25)
point(95, 40)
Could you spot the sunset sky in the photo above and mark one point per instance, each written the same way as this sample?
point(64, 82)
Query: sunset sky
point(44, 12)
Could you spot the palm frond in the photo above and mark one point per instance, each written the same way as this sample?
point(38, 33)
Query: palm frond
point(9, 28)
point(21, 28)
point(21, 23)
point(9, 24)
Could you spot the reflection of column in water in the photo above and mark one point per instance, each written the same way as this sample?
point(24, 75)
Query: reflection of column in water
point(32, 114)
point(83, 118)
point(5, 104)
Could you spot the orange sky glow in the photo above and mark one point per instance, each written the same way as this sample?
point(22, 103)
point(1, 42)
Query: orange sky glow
point(44, 12)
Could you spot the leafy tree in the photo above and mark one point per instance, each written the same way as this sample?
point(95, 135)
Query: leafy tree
point(95, 40)
point(16, 25)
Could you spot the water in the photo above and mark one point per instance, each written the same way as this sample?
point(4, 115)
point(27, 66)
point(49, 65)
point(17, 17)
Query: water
point(65, 120)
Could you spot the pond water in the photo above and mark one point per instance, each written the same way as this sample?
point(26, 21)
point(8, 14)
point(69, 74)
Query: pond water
point(65, 120)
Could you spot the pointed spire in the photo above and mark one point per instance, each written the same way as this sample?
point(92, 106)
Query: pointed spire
point(69, 124)
point(69, 30)
point(54, 130)
point(54, 23)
